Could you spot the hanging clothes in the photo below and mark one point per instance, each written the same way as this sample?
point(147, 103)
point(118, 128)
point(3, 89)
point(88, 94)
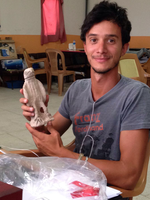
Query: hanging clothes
point(52, 21)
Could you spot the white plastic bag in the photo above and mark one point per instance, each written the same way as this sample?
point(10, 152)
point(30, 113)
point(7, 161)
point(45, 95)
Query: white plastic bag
point(51, 178)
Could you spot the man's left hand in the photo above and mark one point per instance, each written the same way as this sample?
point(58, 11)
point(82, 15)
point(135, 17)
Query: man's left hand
point(49, 144)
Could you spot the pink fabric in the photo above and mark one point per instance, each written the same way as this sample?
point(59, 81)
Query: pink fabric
point(52, 21)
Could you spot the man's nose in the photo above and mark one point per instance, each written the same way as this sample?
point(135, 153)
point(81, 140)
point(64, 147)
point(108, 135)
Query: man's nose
point(101, 47)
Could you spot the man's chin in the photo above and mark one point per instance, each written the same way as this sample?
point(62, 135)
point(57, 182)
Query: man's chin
point(104, 71)
point(98, 71)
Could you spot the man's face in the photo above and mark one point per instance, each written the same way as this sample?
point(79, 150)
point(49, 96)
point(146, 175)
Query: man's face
point(103, 46)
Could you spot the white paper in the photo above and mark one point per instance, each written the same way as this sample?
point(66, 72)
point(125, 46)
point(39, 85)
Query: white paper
point(51, 195)
point(111, 192)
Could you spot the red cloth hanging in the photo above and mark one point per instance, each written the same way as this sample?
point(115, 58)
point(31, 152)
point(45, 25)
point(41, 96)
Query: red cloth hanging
point(52, 21)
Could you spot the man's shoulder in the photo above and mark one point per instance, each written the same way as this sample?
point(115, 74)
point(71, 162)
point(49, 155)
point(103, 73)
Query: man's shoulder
point(82, 83)
point(79, 88)
point(131, 84)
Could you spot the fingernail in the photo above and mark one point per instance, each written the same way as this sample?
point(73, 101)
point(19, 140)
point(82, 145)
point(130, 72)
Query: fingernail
point(25, 100)
point(31, 109)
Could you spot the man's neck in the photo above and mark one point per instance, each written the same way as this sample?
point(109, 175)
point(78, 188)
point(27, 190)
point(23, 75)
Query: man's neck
point(103, 83)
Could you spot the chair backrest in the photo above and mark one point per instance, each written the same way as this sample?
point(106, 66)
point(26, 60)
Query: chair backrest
point(52, 55)
point(142, 180)
point(129, 66)
point(27, 57)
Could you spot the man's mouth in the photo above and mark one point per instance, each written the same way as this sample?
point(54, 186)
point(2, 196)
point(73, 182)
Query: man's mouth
point(101, 58)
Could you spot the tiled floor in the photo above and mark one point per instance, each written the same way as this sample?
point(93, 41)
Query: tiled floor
point(13, 133)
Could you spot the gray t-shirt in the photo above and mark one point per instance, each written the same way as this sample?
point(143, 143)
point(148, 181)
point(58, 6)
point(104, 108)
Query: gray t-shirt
point(125, 107)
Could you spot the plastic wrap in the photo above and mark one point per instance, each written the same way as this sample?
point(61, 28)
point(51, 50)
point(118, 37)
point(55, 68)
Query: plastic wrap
point(51, 178)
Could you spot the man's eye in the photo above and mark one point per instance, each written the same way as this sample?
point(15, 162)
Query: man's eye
point(111, 41)
point(93, 40)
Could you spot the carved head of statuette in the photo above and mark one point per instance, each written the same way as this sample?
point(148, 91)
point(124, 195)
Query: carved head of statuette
point(28, 73)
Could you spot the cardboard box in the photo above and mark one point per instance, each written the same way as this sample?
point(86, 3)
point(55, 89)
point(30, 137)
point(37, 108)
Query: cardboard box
point(8, 192)
point(7, 50)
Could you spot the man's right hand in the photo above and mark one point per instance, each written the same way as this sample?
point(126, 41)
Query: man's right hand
point(28, 112)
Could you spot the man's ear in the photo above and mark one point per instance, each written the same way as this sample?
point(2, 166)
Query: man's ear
point(124, 48)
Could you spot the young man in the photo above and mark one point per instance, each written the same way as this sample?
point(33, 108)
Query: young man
point(110, 114)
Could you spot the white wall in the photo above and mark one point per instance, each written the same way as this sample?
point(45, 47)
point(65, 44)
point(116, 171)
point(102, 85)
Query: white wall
point(23, 17)
point(138, 13)
point(74, 14)
point(20, 17)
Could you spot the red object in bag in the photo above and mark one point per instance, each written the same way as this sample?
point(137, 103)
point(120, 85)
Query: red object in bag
point(86, 190)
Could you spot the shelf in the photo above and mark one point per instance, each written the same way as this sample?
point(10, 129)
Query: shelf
point(9, 50)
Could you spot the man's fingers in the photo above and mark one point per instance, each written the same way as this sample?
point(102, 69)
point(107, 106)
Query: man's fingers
point(21, 91)
point(34, 132)
point(50, 127)
point(54, 133)
point(23, 100)
point(28, 112)
point(28, 115)
point(27, 109)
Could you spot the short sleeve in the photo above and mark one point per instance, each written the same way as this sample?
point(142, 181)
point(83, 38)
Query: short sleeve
point(64, 108)
point(136, 111)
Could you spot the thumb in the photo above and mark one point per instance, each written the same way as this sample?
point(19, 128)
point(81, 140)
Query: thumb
point(50, 128)
point(54, 133)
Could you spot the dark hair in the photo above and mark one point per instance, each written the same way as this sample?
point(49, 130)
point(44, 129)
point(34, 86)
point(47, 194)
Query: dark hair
point(109, 12)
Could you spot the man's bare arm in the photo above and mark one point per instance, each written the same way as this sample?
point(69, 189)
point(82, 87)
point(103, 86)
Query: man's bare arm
point(126, 172)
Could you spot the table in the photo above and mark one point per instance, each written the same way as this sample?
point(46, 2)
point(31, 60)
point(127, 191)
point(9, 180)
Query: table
point(77, 61)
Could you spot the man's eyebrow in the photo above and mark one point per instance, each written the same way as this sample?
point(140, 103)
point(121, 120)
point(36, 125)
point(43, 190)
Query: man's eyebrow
point(91, 34)
point(107, 35)
point(111, 35)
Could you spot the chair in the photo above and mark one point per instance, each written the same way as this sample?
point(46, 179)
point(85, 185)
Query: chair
point(146, 67)
point(45, 70)
point(129, 66)
point(139, 188)
point(52, 55)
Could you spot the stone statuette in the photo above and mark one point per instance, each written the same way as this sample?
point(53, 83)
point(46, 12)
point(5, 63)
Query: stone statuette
point(34, 91)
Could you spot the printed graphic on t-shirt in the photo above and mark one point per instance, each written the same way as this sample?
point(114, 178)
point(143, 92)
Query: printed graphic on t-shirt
point(96, 139)
point(79, 120)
